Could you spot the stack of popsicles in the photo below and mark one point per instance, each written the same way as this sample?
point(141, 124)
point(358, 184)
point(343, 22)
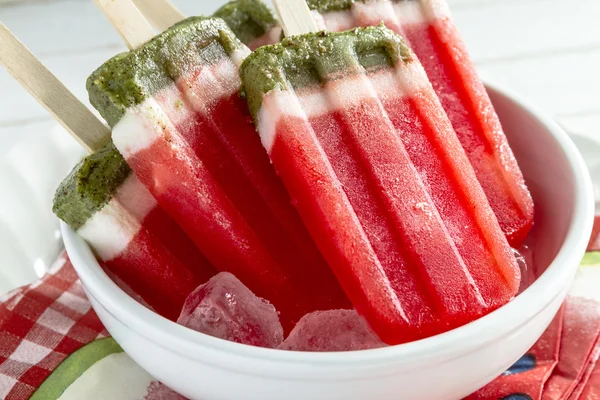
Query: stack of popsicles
point(428, 29)
point(136, 240)
point(181, 126)
point(364, 194)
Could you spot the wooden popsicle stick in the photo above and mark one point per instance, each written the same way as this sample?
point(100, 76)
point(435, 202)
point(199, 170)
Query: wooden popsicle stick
point(71, 113)
point(161, 13)
point(295, 16)
point(128, 21)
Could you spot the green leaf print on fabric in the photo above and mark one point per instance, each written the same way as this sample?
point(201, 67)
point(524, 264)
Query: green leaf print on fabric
point(73, 366)
point(591, 258)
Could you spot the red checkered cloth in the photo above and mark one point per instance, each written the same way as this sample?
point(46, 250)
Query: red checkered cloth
point(40, 325)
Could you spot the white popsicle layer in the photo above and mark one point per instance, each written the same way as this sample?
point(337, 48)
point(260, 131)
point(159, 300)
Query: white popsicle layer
point(111, 229)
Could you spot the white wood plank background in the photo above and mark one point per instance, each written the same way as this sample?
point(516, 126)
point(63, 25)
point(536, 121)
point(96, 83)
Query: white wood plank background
point(546, 50)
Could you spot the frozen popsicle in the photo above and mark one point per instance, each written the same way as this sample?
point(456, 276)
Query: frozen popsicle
point(430, 32)
point(134, 238)
point(181, 126)
point(371, 161)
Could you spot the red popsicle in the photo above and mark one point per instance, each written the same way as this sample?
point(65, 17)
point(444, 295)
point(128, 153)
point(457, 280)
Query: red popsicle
point(135, 240)
point(360, 140)
point(430, 32)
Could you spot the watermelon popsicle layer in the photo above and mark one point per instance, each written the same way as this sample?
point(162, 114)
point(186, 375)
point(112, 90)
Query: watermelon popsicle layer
point(179, 122)
point(132, 237)
point(360, 140)
point(430, 32)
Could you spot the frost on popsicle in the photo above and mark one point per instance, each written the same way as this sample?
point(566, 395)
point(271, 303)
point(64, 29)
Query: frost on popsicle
point(428, 29)
point(370, 159)
point(225, 308)
point(333, 330)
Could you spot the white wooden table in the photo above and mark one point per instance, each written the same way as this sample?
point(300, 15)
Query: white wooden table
point(546, 50)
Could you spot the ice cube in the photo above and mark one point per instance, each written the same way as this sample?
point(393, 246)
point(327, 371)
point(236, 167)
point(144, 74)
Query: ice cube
point(225, 308)
point(334, 330)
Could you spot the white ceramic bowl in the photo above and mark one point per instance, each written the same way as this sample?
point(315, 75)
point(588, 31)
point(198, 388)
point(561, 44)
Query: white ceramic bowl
point(447, 366)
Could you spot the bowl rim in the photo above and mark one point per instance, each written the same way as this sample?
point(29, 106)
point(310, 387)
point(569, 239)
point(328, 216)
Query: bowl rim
point(194, 345)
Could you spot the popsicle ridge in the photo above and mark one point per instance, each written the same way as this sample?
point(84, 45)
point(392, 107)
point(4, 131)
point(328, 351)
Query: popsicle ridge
point(384, 82)
point(322, 104)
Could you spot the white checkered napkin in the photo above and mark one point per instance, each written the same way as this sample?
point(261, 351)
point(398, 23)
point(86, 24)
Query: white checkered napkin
point(40, 325)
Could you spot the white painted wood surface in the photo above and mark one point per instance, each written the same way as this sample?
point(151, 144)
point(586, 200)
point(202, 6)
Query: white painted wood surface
point(546, 50)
